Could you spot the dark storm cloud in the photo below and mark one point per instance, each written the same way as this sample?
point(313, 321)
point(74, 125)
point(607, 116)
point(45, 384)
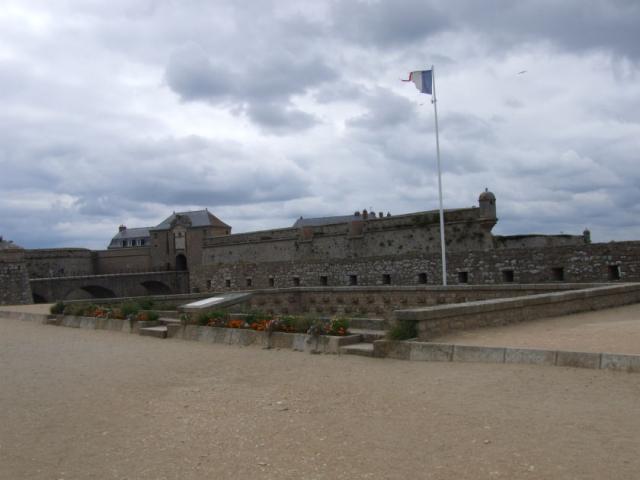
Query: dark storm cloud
point(121, 112)
point(576, 25)
point(262, 87)
point(386, 24)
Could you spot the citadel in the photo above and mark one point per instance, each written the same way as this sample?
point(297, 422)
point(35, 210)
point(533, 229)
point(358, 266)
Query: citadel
point(196, 252)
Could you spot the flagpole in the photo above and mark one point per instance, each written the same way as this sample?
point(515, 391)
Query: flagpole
point(442, 244)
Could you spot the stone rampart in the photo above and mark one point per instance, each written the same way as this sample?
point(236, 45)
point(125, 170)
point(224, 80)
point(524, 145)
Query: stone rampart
point(122, 260)
point(59, 262)
point(435, 321)
point(374, 237)
point(593, 263)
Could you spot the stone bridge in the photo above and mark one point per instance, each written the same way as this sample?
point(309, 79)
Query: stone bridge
point(46, 290)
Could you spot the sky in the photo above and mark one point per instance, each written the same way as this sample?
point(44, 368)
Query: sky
point(118, 112)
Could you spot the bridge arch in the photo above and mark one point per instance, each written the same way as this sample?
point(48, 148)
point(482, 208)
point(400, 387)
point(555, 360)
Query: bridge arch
point(38, 298)
point(89, 291)
point(154, 287)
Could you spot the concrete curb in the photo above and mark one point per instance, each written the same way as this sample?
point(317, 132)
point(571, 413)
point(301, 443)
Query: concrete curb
point(444, 352)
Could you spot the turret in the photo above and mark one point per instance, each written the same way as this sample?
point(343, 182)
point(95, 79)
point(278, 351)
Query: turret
point(487, 202)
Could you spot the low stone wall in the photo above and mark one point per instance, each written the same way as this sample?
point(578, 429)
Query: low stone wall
point(442, 352)
point(235, 336)
point(382, 301)
point(436, 321)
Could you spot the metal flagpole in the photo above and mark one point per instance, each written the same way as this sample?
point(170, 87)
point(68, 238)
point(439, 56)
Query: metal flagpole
point(442, 245)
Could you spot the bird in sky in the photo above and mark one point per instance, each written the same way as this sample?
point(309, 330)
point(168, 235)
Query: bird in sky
point(521, 72)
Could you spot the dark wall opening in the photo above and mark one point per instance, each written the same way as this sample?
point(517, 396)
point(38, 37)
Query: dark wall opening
point(181, 262)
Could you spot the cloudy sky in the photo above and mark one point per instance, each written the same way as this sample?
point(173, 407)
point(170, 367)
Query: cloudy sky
point(120, 111)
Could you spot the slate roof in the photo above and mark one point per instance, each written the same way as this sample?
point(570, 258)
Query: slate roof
point(142, 232)
point(128, 234)
point(199, 218)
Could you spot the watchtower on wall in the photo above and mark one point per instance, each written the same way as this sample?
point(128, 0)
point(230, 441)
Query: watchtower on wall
point(487, 203)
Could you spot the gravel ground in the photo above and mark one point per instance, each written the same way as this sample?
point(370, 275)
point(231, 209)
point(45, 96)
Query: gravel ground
point(84, 404)
point(616, 330)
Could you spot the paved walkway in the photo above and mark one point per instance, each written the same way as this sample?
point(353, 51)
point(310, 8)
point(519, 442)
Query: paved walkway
point(85, 404)
point(616, 330)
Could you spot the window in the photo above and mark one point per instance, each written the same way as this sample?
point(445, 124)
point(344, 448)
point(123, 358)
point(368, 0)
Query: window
point(249, 282)
point(422, 278)
point(386, 279)
point(227, 283)
point(324, 281)
point(463, 277)
point(507, 276)
point(557, 274)
point(614, 272)
point(296, 281)
point(353, 279)
point(272, 282)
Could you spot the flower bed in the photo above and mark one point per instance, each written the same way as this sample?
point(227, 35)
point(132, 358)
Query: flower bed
point(336, 326)
point(127, 310)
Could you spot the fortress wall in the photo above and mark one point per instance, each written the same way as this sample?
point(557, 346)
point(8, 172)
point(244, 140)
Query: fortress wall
point(124, 260)
point(586, 263)
point(375, 237)
point(14, 278)
point(537, 241)
point(59, 262)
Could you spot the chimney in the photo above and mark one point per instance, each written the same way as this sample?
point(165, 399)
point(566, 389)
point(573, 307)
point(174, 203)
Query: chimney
point(122, 228)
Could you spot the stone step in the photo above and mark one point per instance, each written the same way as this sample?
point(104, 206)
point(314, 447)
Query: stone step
point(169, 321)
point(368, 336)
point(158, 332)
point(364, 349)
point(367, 323)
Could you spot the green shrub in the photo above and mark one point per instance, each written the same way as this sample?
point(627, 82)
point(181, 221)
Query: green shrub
point(129, 308)
point(146, 303)
point(57, 308)
point(77, 310)
point(287, 323)
point(153, 316)
point(403, 330)
point(302, 324)
point(203, 318)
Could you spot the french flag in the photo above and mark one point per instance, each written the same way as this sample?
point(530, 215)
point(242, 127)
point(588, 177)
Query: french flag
point(422, 79)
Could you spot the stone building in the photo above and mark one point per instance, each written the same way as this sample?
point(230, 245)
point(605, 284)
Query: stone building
point(370, 249)
point(361, 249)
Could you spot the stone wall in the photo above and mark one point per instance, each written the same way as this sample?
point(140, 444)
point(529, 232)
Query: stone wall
point(123, 260)
point(380, 302)
point(59, 262)
point(14, 277)
point(433, 322)
point(375, 237)
point(585, 263)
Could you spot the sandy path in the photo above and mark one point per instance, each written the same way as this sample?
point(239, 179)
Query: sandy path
point(615, 330)
point(84, 404)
